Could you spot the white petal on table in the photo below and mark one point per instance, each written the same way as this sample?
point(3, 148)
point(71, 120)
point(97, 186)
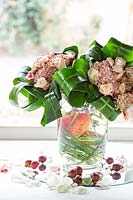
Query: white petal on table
point(63, 188)
point(53, 180)
point(79, 190)
point(18, 178)
point(33, 183)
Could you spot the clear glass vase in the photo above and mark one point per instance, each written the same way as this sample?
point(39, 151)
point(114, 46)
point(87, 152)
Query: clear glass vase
point(82, 138)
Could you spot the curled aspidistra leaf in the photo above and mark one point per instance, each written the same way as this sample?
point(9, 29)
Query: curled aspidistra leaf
point(72, 49)
point(81, 66)
point(31, 103)
point(21, 77)
point(94, 53)
point(52, 109)
point(106, 106)
point(74, 86)
point(55, 88)
point(114, 48)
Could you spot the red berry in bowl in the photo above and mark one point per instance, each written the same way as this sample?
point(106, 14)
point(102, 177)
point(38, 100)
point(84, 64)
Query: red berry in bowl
point(116, 176)
point(78, 180)
point(95, 177)
point(42, 159)
point(72, 173)
point(116, 167)
point(4, 170)
point(79, 171)
point(42, 167)
point(109, 160)
point(34, 164)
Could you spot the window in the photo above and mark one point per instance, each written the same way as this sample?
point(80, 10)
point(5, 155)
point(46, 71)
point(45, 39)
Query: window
point(72, 22)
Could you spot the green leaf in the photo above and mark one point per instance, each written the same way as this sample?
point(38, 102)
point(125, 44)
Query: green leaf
point(52, 109)
point(106, 106)
point(31, 104)
point(114, 48)
point(94, 53)
point(94, 93)
point(73, 85)
point(85, 57)
point(21, 77)
point(81, 66)
point(130, 64)
point(13, 96)
point(55, 88)
point(36, 92)
point(72, 49)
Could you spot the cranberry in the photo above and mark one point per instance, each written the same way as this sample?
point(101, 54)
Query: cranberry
point(109, 160)
point(116, 167)
point(4, 170)
point(78, 180)
point(72, 173)
point(42, 167)
point(42, 159)
point(116, 176)
point(79, 170)
point(34, 164)
point(95, 177)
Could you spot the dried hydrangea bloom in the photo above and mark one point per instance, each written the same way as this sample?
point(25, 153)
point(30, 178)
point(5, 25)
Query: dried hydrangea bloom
point(129, 75)
point(114, 79)
point(124, 101)
point(45, 66)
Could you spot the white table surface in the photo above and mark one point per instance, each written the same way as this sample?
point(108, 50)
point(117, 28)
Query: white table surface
point(17, 151)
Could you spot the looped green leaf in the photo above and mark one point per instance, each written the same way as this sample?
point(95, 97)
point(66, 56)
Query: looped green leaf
point(55, 88)
point(94, 53)
point(114, 48)
point(21, 77)
point(73, 85)
point(72, 49)
point(81, 66)
point(52, 109)
point(95, 43)
point(94, 93)
point(31, 104)
point(106, 106)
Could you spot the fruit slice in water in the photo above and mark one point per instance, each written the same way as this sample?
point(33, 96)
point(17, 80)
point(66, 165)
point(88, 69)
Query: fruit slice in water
point(76, 123)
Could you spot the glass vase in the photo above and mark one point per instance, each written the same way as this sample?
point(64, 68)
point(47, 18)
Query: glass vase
point(82, 138)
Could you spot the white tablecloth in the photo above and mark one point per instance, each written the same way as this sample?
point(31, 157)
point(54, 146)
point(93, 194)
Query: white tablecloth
point(17, 151)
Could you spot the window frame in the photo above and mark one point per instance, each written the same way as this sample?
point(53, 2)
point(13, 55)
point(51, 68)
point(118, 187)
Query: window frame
point(116, 132)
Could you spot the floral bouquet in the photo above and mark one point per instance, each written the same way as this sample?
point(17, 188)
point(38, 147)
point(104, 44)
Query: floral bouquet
point(101, 78)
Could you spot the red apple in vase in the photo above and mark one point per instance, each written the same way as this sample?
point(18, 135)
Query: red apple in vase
point(76, 123)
